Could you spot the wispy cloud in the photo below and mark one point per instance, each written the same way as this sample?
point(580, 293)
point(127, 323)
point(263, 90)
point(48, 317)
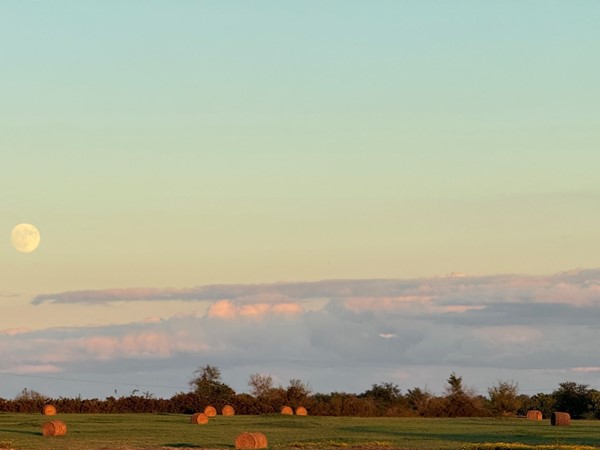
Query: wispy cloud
point(578, 287)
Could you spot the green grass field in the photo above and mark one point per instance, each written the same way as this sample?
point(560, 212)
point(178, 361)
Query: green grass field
point(133, 431)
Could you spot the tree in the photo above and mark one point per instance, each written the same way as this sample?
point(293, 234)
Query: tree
point(504, 398)
point(297, 393)
point(31, 395)
point(542, 402)
point(260, 384)
point(209, 389)
point(455, 386)
point(418, 400)
point(388, 398)
point(576, 399)
point(460, 401)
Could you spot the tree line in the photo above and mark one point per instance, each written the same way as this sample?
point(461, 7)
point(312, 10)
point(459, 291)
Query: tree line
point(382, 399)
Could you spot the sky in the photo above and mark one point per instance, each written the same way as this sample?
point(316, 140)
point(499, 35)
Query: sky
point(343, 192)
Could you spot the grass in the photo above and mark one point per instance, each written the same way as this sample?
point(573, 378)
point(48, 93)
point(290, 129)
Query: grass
point(127, 431)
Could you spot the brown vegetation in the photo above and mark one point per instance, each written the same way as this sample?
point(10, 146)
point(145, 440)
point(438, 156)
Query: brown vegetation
point(560, 419)
point(250, 440)
point(199, 419)
point(228, 410)
point(534, 414)
point(49, 410)
point(54, 428)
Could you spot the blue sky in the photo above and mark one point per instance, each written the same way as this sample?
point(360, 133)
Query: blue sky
point(163, 145)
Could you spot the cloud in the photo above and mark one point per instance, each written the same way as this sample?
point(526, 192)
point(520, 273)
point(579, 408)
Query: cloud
point(578, 287)
point(226, 309)
point(35, 369)
point(322, 331)
point(586, 369)
point(15, 331)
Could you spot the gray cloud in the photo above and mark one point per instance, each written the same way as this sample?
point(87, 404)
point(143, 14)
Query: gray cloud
point(361, 332)
point(578, 286)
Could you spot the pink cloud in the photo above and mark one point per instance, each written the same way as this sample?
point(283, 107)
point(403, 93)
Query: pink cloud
point(585, 369)
point(256, 310)
point(226, 309)
point(35, 368)
point(146, 344)
point(223, 309)
point(459, 308)
point(15, 331)
point(288, 308)
point(102, 347)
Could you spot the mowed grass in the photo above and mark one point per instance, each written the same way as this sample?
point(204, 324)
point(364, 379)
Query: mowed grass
point(132, 431)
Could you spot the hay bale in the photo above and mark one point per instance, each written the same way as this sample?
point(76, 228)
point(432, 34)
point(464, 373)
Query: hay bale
point(49, 410)
point(287, 411)
point(199, 419)
point(534, 414)
point(228, 410)
point(54, 428)
point(560, 419)
point(301, 411)
point(251, 440)
point(210, 411)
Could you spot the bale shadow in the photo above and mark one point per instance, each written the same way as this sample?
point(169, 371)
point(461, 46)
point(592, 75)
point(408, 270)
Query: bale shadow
point(34, 433)
point(182, 445)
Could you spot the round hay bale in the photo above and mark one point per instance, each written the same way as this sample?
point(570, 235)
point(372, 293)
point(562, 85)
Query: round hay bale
point(228, 410)
point(49, 410)
point(210, 411)
point(560, 419)
point(534, 414)
point(287, 411)
point(54, 428)
point(199, 419)
point(250, 440)
point(301, 411)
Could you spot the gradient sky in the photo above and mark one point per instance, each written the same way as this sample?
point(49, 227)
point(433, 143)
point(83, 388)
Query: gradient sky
point(170, 145)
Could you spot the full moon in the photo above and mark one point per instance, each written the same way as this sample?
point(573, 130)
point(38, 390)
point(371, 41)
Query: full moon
point(25, 238)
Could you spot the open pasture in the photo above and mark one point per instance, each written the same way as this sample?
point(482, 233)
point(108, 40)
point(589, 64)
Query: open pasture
point(147, 431)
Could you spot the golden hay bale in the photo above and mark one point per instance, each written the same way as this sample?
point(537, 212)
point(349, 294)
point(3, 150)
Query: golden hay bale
point(210, 411)
point(228, 410)
point(49, 410)
point(251, 440)
point(560, 419)
point(54, 428)
point(287, 411)
point(301, 411)
point(199, 419)
point(534, 414)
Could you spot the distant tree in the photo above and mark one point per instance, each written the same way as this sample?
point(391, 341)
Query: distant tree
point(260, 384)
point(418, 400)
point(297, 393)
point(31, 395)
point(460, 401)
point(209, 389)
point(576, 399)
point(384, 392)
point(595, 403)
point(542, 402)
point(504, 398)
point(388, 399)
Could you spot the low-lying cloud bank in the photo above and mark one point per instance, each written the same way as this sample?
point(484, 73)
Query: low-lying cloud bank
point(403, 330)
point(577, 286)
